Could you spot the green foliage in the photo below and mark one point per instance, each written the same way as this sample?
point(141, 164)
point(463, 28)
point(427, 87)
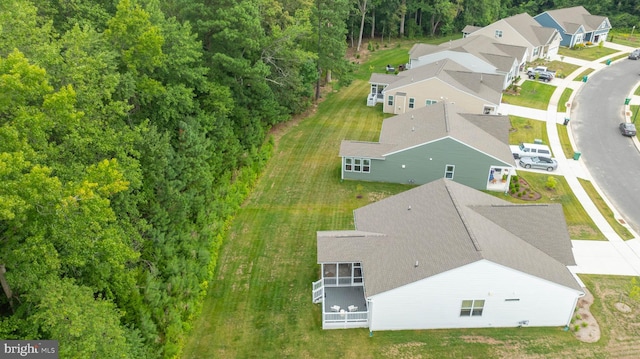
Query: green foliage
point(634, 292)
point(551, 183)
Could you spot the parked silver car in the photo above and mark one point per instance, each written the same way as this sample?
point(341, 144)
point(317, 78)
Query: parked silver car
point(544, 163)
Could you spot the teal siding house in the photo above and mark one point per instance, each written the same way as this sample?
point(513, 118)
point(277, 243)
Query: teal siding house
point(576, 25)
point(434, 142)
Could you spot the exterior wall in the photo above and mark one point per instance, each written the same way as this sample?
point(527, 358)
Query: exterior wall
point(435, 302)
point(545, 20)
point(432, 89)
point(509, 37)
point(427, 162)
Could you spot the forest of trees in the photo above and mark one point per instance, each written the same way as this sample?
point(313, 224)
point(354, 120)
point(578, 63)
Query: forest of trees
point(132, 130)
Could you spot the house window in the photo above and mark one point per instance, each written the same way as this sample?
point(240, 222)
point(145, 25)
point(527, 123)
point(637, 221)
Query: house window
point(412, 102)
point(390, 102)
point(498, 33)
point(487, 110)
point(472, 308)
point(448, 171)
point(536, 51)
point(430, 102)
point(357, 165)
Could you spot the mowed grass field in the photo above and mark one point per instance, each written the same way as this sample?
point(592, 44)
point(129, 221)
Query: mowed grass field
point(259, 301)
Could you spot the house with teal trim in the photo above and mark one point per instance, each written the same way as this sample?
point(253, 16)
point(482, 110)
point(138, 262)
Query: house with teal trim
point(444, 255)
point(576, 25)
point(437, 141)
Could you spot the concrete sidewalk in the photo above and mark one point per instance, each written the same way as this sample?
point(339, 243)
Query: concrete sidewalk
point(614, 256)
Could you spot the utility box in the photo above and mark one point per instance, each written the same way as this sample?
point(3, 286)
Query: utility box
point(566, 121)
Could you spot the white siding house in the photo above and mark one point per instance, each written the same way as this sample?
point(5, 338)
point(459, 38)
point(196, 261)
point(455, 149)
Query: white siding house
point(444, 255)
point(510, 298)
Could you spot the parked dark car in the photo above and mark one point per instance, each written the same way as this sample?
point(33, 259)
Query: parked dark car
point(542, 76)
point(544, 163)
point(635, 54)
point(627, 129)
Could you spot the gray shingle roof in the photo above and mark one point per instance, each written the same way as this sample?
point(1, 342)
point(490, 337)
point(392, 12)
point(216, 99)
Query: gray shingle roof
point(485, 86)
point(530, 29)
point(444, 225)
point(486, 133)
point(486, 48)
point(470, 28)
point(382, 78)
point(572, 17)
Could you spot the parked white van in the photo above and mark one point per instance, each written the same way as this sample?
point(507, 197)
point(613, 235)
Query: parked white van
point(530, 150)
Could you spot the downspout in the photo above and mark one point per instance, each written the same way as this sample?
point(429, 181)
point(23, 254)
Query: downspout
point(573, 309)
point(370, 315)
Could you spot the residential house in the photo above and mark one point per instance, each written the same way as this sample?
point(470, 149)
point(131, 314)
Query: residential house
point(434, 142)
point(522, 30)
point(475, 92)
point(477, 53)
point(443, 255)
point(576, 25)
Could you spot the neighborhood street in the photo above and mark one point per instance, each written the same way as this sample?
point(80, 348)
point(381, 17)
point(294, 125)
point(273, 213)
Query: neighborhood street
point(614, 256)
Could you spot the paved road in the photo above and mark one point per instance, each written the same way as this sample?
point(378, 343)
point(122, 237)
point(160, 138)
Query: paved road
point(612, 159)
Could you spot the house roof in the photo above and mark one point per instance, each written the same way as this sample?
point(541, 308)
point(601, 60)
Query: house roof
point(470, 28)
point(444, 225)
point(489, 50)
point(377, 78)
point(572, 17)
point(485, 86)
point(530, 29)
point(486, 133)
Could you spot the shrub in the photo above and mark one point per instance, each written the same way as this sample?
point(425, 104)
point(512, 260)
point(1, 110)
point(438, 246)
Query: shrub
point(576, 328)
point(552, 182)
point(578, 316)
point(584, 324)
point(519, 195)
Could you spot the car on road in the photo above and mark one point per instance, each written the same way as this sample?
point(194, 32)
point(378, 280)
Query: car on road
point(635, 54)
point(544, 163)
point(627, 129)
point(542, 76)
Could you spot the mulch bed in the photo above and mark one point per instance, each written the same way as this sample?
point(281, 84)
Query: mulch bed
point(522, 190)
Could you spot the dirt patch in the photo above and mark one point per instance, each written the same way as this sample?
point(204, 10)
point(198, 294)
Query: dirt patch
point(584, 324)
point(622, 307)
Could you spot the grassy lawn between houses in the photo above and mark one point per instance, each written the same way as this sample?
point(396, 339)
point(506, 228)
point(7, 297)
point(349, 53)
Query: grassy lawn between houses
point(533, 94)
point(587, 53)
point(583, 74)
point(564, 98)
point(259, 301)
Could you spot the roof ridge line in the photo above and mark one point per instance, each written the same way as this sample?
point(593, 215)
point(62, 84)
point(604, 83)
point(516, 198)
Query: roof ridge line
point(472, 236)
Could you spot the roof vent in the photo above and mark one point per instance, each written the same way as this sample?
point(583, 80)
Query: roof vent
point(409, 208)
point(416, 265)
point(413, 129)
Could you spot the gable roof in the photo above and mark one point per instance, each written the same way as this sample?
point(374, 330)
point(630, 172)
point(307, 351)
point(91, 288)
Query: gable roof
point(571, 18)
point(470, 28)
point(486, 133)
point(445, 225)
point(489, 50)
point(530, 29)
point(485, 86)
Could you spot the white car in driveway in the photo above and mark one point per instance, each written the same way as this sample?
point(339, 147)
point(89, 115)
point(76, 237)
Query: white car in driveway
point(542, 163)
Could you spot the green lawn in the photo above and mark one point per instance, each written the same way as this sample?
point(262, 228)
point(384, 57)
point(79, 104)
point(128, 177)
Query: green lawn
point(584, 73)
point(624, 39)
point(562, 102)
point(532, 94)
point(563, 134)
point(587, 53)
point(614, 58)
point(605, 210)
point(259, 302)
point(527, 130)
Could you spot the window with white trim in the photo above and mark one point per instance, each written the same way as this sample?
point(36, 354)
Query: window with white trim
point(412, 102)
point(390, 100)
point(352, 164)
point(498, 33)
point(448, 171)
point(487, 110)
point(472, 308)
point(536, 50)
point(430, 102)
